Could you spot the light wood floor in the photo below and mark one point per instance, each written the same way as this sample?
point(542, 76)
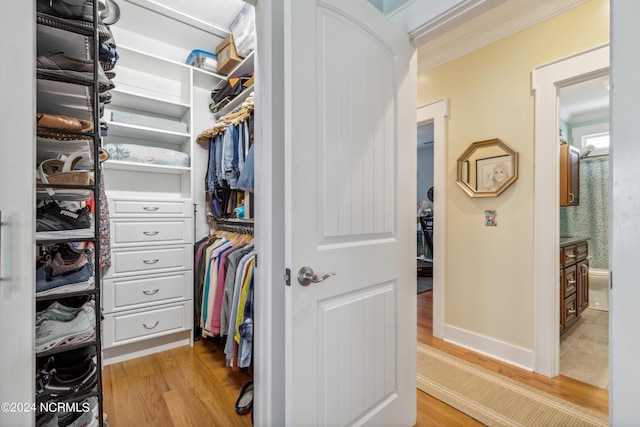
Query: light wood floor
point(192, 387)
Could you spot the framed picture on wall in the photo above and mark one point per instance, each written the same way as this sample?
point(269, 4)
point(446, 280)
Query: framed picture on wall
point(492, 172)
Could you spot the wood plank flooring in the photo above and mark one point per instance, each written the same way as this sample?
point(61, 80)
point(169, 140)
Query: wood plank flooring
point(192, 387)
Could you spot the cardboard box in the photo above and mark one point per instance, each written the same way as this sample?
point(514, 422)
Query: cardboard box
point(228, 58)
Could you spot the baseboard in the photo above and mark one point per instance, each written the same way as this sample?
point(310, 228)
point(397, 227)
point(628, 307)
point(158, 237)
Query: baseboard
point(508, 353)
point(146, 347)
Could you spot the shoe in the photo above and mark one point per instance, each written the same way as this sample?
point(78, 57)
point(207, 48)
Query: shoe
point(244, 404)
point(89, 408)
point(48, 419)
point(105, 97)
point(51, 217)
point(79, 280)
point(63, 171)
point(57, 121)
point(51, 382)
point(76, 68)
point(59, 266)
point(54, 333)
point(108, 10)
point(62, 313)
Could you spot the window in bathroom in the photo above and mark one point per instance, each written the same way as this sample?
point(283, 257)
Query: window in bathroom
point(599, 141)
point(593, 139)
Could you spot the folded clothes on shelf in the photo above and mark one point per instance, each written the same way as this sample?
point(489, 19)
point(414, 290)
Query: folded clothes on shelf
point(148, 120)
point(147, 155)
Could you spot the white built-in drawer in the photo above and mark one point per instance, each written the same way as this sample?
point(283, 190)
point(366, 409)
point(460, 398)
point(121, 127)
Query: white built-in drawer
point(119, 207)
point(132, 261)
point(126, 293)
point(137, 325)
point(130, 232)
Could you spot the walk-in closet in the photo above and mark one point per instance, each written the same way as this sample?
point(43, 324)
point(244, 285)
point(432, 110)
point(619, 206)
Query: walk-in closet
point(144, 204)
point(179, 181)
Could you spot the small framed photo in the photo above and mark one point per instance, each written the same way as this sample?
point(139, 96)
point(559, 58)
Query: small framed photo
point(492, 172)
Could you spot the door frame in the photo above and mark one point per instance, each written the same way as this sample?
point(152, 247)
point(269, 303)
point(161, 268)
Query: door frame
point(269, 308)
point(546, 81)
point(436, 113)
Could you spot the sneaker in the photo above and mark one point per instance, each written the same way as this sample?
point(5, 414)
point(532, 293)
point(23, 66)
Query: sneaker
point(89, 408)
point(51, 383)
point(60, 266)
point(62, 313)
point(79, 280)
point(76, 68)
point(54, 333)
point(51, 217)
point(48, 419)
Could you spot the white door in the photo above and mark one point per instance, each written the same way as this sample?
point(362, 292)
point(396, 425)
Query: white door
point(17, 207)
point(350, 168)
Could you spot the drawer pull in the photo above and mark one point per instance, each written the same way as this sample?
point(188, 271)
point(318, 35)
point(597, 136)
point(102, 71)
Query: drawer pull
point(571, 311)
point(150, 208)
point(152, 326)
point(150, 233)
point(151, 292)
point(150, 261)
point(571, 282)
point(569, 255)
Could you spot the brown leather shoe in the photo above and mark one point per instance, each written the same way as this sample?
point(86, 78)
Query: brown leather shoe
point(64, 124)
point(56, 121)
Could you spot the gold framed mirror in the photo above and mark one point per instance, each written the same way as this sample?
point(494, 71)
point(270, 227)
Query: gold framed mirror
point(487, 168)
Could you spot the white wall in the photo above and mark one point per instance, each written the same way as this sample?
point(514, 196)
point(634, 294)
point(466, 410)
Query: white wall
point(17, 203)
point(624, 220)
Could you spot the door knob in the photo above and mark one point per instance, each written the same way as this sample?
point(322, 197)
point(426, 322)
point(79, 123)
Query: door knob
point(306, 276)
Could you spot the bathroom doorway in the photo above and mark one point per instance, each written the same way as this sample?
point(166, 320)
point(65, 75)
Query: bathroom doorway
point(584, 124)
point(433, 116)
point(424, 219)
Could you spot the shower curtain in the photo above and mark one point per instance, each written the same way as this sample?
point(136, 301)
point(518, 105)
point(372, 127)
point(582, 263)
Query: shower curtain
point(591, 217)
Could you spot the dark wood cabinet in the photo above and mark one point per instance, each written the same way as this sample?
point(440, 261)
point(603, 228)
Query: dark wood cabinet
point(574, 283)
point(569, 175)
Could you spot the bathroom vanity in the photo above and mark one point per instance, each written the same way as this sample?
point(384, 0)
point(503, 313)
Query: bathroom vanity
point(574, 279)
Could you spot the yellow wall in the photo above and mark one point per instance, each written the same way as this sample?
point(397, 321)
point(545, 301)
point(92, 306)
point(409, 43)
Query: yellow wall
point(489, 276)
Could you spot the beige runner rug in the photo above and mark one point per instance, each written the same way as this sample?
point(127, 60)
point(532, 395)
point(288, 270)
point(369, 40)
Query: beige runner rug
point(494, 399)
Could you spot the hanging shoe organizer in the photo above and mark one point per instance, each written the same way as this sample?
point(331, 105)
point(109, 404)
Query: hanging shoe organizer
point(71, 85)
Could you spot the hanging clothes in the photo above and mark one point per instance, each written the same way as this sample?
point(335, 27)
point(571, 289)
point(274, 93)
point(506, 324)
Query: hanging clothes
point(230, 161)
point(224, 264)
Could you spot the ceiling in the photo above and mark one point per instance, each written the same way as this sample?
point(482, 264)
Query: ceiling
point(585, 101)
point(218, 13)
point(444, 30)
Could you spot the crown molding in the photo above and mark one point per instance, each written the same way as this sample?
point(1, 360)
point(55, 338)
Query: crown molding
point(601, 113)
point(473, 31)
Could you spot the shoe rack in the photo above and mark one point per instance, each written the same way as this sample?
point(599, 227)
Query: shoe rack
point(73, 95)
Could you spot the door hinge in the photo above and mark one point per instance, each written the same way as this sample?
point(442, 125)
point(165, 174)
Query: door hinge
point(287, 276)
point(255, 260)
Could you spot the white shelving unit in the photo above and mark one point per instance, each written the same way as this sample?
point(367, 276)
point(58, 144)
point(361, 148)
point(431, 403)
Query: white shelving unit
point(156, 291)
point(148, 296)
